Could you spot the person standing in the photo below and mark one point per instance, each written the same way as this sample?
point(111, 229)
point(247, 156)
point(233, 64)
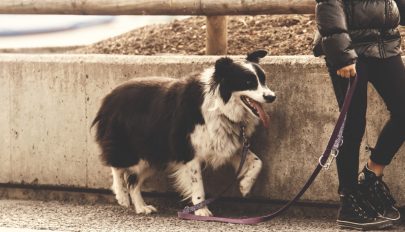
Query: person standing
point(360, 39)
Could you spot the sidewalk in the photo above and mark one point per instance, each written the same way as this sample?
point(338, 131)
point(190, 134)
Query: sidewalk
point(30, 216)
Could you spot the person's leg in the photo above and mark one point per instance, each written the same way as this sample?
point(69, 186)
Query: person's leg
point(354, 211)
point(389, 82)
point(348, 158)
point(377, 168)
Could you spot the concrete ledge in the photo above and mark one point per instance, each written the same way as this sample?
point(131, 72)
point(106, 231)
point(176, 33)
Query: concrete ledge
point(47, 103)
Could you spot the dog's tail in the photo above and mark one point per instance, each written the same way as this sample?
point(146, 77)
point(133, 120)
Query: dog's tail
point(100, 122)
point(96, 120)
point(100, 116)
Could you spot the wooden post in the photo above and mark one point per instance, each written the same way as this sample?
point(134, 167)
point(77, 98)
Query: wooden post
point(217, 35)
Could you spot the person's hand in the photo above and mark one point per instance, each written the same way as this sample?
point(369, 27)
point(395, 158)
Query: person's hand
point(348, 71)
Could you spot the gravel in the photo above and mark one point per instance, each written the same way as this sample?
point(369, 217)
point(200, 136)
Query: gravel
point(279, 34)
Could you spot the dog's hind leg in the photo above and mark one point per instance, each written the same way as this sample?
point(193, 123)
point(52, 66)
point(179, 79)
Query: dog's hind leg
point(188, 180)
point(119, 187)
point(136, 175)
point(250, 171)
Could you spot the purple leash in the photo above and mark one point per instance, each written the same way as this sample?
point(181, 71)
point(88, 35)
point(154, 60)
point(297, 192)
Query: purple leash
point(330, 153)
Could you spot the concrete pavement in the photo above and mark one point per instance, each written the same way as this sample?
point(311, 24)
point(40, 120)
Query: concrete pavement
point(39, 210)
point(31, 215)
point(24, 209)
point(6, 229)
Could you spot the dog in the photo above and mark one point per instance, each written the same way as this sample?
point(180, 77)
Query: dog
point(179, 125)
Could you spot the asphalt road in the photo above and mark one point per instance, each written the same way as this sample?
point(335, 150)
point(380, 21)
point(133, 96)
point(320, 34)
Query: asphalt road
point(32, 215)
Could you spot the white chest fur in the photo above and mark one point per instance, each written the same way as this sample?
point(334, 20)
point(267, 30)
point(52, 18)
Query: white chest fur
point(214, 144)
point(219, 139)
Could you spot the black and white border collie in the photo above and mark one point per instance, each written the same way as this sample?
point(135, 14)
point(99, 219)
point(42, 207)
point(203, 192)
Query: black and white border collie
point(178, 125)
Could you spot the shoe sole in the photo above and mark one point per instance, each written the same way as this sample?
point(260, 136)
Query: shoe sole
point(394, 220)
point(365, 226)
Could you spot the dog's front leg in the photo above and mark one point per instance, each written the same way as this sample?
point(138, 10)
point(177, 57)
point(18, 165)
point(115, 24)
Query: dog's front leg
point(249, 172)
point(188, 179)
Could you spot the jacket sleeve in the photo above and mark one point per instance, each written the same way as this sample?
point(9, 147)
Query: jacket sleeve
point(332, 25)
point(401, 7)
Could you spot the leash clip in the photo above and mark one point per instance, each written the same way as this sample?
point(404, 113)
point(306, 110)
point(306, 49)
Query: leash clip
point(333, 154)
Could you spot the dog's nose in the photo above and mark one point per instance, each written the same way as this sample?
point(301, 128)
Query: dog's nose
point(269, 98)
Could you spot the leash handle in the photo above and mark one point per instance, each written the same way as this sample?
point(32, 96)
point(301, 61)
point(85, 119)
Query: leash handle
point(335, 142)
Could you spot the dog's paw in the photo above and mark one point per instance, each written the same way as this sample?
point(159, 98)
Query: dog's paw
point(123, 199)
point(246, 185)
point(203, 212)
point(145, 209)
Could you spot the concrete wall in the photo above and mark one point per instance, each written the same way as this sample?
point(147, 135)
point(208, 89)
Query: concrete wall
point(47, 103)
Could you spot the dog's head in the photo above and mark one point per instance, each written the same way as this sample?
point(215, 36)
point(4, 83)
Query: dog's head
point(242, 87)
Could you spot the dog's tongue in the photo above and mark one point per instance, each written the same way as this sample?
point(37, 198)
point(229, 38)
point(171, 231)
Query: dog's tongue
point(263, 115)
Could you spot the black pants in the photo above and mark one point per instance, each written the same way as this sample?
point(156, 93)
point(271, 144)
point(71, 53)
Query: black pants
point(388, 78)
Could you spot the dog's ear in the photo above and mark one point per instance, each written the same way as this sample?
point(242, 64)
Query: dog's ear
point(223, 67)
point(256, 55)
point(225, 93)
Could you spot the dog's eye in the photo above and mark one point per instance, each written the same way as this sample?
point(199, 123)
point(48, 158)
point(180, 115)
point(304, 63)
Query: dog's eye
point(248, 82)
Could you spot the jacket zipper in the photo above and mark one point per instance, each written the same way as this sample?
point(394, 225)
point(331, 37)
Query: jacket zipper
point(348, 12)
point(388, 12)
point(387, 18)
point(381, 45)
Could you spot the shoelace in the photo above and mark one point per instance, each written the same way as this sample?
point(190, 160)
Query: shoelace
point(383, 192)
point(361, 207)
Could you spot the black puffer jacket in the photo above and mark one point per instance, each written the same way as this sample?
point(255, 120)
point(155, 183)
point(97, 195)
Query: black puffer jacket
point(348, 28)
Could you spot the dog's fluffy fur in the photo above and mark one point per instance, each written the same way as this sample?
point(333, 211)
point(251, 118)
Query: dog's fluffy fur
point(179, 124)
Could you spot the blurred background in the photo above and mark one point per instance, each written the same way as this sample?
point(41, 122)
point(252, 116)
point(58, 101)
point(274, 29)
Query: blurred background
point(44, 31)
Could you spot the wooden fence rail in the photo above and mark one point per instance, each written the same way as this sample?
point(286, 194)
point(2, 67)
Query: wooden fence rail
point(157, 7)
point(216, 25)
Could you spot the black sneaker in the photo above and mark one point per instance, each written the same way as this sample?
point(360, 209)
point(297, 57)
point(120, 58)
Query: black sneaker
point(377, 193)
point(356, 213)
